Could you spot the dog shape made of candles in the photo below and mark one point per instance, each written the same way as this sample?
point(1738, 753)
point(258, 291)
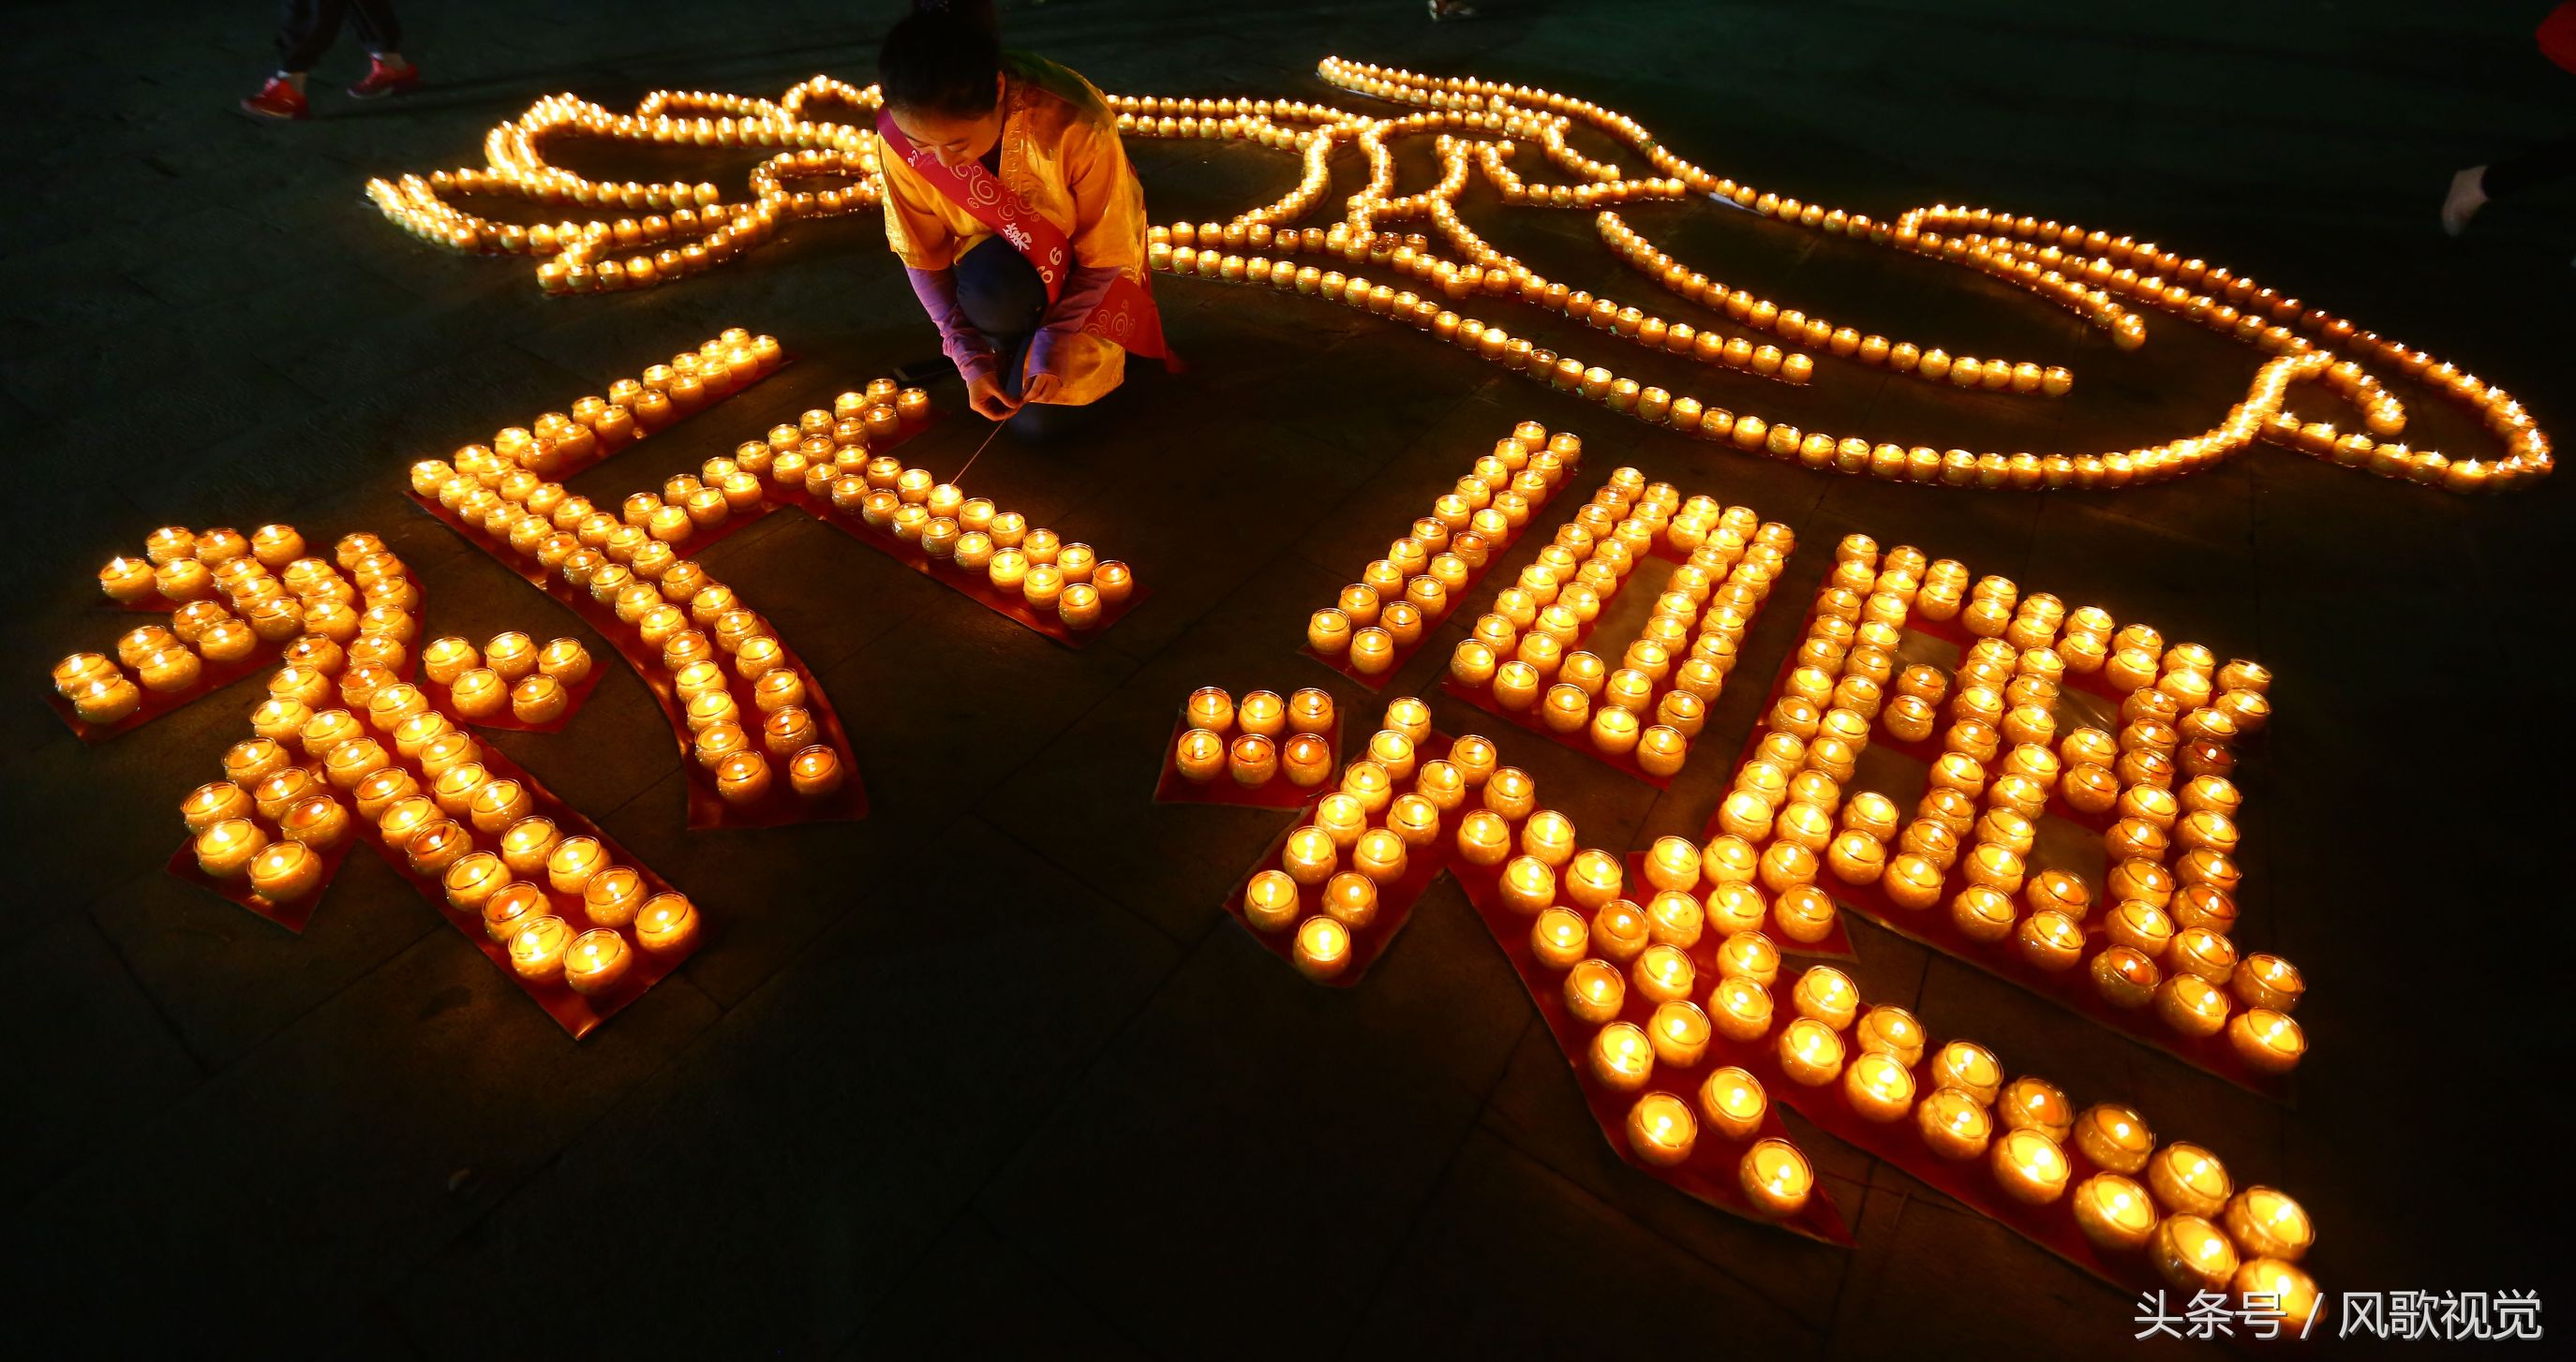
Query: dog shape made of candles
point(654, 233)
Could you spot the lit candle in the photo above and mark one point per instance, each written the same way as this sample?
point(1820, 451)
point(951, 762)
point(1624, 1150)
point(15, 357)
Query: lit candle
point(447, 658)
point(537, 949)
point(1380, 855)
point(539, 699)
point(597, 960)
point(1527, 885)
point(2267, 981)
point(1664, 974)
point(743, 777)
point(2114, 1137)
point(1270, 901)
point(1810, 1052)
point(511, 907)
point(2267, 1223)
point(282, 872)
point(667, 924)
point(511, 655)
point(1879, 1087)
point(1558, 938)
point(613, 896)
point(1415, 819)
point(2050, 940)
point(1372, 651)
point(1310, 710)
point(1593, 879)
point(565, 660)
point(1211, 708)
point(1954, 1123)
point(1595, 991)
point(318, 822)
point(2189, 1179)
point(1328, 632)
point(1826, 994)
point(2268, 1041)
point(437, 846)
point(1970, 1068)
point(2028, 1103)
point(1621, 1058)
point(2191, 1253)
point(1749, 955)
point(1891, 1031)
point(528, 844)
point(221, 801)
point(107, 700)
point(1776, 1178)
point(472, 879)
point(2114, 1213)
point(2191, 1005)
point(1309, 856)
point(2286, 1289)
point(1733, 1103)
point(1253, 759)
point(573, 862)
point(1323, 948)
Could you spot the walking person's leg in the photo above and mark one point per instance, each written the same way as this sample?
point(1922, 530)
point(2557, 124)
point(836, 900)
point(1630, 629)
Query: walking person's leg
point(305, 29)
point(380, 29)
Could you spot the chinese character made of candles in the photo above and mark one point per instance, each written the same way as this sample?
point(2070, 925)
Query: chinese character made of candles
point(2075, 828)
point(359, 739)
point(1686, 1031)
point(2110, 281)
point(1526, 658)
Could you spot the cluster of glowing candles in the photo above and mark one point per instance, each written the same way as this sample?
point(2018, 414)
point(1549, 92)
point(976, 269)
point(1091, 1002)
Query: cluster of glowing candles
point(2155, 934)
point(744, 700)
point(1385, 813)
point(677, 229)
point(1045, 572)
point(1525, 653)
point(1686, 998)
point(1258, 739)
point(511, 671)
point(1381, 618)
point(227, 598)
point(561, 908)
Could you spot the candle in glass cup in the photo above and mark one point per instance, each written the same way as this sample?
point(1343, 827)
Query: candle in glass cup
point(2113, 1212)
point(1776, 1178)
point(2291, 1293)
point(667, 924)
point(2266, 1223)
point(1878, 1087)
point(1826, 994)
point(2267, 981)
point(1558, 938)
point(1810, 1052)
point(1270, 901)
point(596, 961)
point(283, 872)
point(317, 821)
point(1891, 1031)
point(2189, 1179)
point(2191, 1005)
point(210, 804)
point(1621, 1058)
point(444, 659)
point(537, 949)
point(1322, 949)
point(2266, 1040)
point(1733, 1103)
point(1594, 991)
point(1970, 1068)
point(2191, 1253)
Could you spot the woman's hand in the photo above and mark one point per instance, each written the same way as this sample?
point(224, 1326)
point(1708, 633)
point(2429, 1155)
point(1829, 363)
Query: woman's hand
point(984, 393)
point(1040, 387)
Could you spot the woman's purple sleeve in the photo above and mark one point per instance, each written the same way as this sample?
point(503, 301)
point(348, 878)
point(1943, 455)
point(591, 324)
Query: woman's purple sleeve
point(965, 346)
point(1083, 290)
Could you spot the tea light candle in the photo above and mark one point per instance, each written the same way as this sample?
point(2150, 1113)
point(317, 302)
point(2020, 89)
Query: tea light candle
point(2266, 1223)
point(219, 802)
point(743, 777)
point(1749, 955)
point(1970, 1068)
point(509, 908)
point(472, 879)
point(1593, 879)
point(2114, 1213)
point(1210, 708)
point(511, 655)
point(2114, 1137)
point(613, 896)
point(1380, 855)
point(1270, 901)
point(1309, 856)
point(667, 924)
point(2188, 1179)
point(1372, 651)
point(282, 872)
point(1810, 1052)
point(1527, 885)
point(1733, 1103)
point(1253, 760)
point(2289, 1291)
point(446, 658)
point(2191, 1253)
point(1954, 1124)
point(574, 861)
point(1664, 974)
point(1661, 1131)
point(168, 671)
point(1558, 938)
point(1621, 1058)
point(1776, 1178)
point(2191, 1005)
point(1323, 948)
point(1328, 632)
point(127, 581)
point(404, 817)
point(437, 846)
point(2050, 940)
point(1595, 991)
point(537, 949)
point(2124, 977)
point(564, 660)
point(1826, 994)
point(317, 821)
point(1891, 1031)
point(2268, 1041)
point(1310, 710)
point(1351, 899)
point(107, 700)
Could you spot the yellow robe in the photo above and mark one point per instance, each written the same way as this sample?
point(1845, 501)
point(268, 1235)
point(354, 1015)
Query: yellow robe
point(1067, 162)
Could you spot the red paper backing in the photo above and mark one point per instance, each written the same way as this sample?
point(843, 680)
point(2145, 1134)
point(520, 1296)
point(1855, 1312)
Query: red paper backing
point(1836, 945)
point(1394, 901)
point(1278, 792)
point(2070, 988)
point(1709, 1174)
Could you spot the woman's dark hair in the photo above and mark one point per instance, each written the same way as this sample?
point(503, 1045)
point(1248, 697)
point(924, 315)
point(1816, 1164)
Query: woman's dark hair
point(942, 58)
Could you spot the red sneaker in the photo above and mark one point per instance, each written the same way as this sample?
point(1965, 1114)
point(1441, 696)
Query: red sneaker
point(278, 99)
point(385, 80)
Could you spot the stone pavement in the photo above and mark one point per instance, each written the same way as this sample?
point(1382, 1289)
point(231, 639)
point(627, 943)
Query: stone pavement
point(990, 1068)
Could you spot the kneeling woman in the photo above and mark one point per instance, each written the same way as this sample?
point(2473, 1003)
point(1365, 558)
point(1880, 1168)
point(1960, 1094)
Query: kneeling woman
point(1014, 210)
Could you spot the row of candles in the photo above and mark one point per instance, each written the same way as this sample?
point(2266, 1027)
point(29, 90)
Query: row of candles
point(1382, 617)
point(231, 594)
point(2082, 270)
point(2164, 940)
point(1525, 651)
point(629, 562)
point(534, 683)
point(1258, 740)
point(692, 226)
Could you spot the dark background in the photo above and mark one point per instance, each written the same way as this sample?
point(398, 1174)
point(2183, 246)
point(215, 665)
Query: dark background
point(990, 1066)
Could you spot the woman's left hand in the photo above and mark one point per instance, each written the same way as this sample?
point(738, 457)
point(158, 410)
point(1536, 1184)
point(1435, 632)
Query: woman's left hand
point(1041, 387)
